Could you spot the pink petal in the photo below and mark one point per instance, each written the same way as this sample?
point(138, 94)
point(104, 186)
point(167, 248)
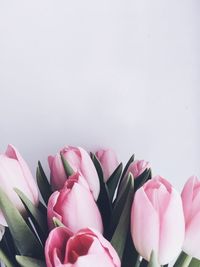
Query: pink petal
point(12, 152)
point(76, 213)
point(187, 197)
point(58, 175)
point(108, 248)
point(51, 212)
point(89, 172)
point(144, 225)
point(57, 239)
point(172, 229)
point(192, 238)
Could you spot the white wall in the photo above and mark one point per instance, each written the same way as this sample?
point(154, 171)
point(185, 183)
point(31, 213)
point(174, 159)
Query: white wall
point(123, 74)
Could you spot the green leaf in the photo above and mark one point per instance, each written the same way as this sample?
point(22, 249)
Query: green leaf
point(183, 260)
point(142, 178)
point(8, 246)
point(114, 180)
point(30, 262)
point(5, 259)
point(153, 260)
point(57, 222)
point(120, 235)
point(103, 201)
point(194, 263)
point(68, 169)
point(98, 167)
point(38, 219)
point(130, 255)
point(43, 183)
point(127, 165)
point(25, 240)
point(120, 201)
point(124, 173)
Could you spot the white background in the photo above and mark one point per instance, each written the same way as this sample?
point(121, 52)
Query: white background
point(123, 74)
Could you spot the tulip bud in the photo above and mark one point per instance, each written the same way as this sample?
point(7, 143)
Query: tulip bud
point(157, 220)
point(14, 173)
point(74, 206)
point(108, 160)
point(191, 206)
point(80, 162)
point(137, 167)
point(86, 248)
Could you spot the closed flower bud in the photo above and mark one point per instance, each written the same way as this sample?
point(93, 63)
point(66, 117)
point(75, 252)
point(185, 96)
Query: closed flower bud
point(74, 206)
point(191, 206)
point(14, 173)
point(108, 160)
point(80, 161)
point(157, 220)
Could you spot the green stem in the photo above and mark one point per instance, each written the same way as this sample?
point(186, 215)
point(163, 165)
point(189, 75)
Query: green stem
point(183, 260)
point(137, 264)
point(5, 259)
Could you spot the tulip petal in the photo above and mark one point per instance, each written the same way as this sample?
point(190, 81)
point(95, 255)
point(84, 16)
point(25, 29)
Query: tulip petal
point(72, 155)
point(89, 172)
point(94, 260)
point(12, 152)
point(191, 244)
point(11, 177)
point(187, 196)
point(78, 209)
point(58, 175)
point(144, 225)
point(171, 234)
point(51, 211)
point(108, 160)
point(56, 242)
point(105, 249)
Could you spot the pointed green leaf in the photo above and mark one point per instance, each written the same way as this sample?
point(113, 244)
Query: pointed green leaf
point(153, 260)
point(103, 201)
point(142, 178)
point(130, 255)
point(43, 183)
point(183, 260)
point(98, 167)
point(124, 173)
point(8, 246)
point(120, 235)
point(127, 165)
point(29, 262)
point(5, 259)
point(121, 200)
point(38, 219)
point(57, 222)
point(68, 169)
point(194, 263)
point(114, 180)
point(25, 240)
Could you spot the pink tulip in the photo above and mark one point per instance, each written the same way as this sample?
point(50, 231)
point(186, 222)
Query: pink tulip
point(74, 206)
point(80, 161)
point(138, 167)
point(157, 220)
point(191, 206)
point(87, 248)
point(14, 173)
point(108, 160)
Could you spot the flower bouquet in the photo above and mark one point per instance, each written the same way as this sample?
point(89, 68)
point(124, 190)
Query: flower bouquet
point(93, 212)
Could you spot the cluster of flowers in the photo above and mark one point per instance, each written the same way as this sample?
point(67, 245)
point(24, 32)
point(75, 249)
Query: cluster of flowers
point(95, 213)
